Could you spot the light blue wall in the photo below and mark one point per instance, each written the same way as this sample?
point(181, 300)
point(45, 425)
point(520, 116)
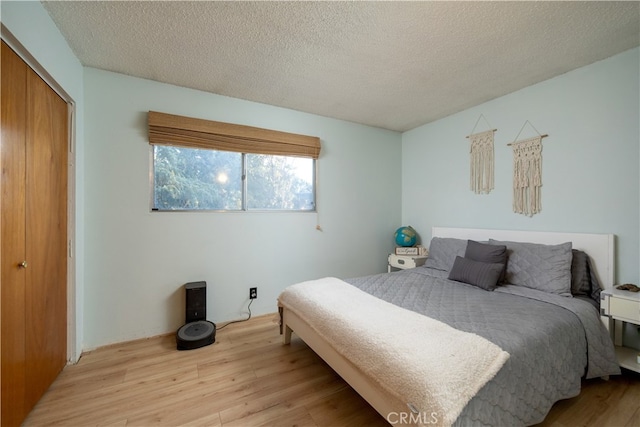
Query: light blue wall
point(137, 261)
point(29, 23)
point(128, 276)
point(590, 160)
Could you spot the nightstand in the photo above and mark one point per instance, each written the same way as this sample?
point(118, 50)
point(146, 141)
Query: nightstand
point(403, 262)
point(622, 307)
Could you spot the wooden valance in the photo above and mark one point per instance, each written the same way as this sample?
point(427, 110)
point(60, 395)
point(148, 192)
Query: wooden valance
point(169, 129)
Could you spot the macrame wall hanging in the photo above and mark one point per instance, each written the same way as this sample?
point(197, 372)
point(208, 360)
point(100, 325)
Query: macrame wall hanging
point(481, 159)
point(527, 173)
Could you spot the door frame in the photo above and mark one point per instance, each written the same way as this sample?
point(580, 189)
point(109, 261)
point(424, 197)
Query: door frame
point(72, 327)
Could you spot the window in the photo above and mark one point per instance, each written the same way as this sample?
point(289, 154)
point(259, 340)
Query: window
point(256, 169)
point(199, 179)
point(189, 179)
point(280, 182)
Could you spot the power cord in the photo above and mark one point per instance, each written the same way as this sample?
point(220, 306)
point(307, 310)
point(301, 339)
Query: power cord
point(237, 321)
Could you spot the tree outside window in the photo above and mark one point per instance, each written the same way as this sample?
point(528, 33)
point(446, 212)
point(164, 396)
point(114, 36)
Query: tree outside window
point(202, 179)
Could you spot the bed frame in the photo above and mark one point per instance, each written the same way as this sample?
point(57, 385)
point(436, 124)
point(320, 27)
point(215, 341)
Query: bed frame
point(600, 248)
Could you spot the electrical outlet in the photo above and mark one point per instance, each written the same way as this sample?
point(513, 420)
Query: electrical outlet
point(253, 293)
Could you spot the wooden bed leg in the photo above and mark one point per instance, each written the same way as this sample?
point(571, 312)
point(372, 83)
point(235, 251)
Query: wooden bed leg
point(285, 330)
point(286, 338)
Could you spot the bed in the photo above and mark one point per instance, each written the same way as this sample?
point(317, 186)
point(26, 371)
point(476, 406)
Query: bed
point(441, 345)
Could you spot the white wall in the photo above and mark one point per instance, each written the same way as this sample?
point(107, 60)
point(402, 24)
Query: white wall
point(29, 23)
point(137, 260)
point(590, 160)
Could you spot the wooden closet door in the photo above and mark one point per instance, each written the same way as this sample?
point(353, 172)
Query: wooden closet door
point(46, 236)
point(33, 219)
point(12, 217)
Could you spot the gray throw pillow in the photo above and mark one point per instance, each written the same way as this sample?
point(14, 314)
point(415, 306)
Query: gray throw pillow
point(483, 252)
point(443, 252)
point(545, 268)
point(580, 275)
point(481, 274)
point(584, 281)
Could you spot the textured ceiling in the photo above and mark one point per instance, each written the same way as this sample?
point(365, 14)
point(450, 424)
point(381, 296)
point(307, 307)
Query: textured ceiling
point(394, 65)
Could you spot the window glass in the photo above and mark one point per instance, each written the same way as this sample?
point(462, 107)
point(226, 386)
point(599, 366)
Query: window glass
point(189, 179)
point(279, 182)
point(200, 179)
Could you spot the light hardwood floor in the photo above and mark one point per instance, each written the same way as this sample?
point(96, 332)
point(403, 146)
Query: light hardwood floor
point(248, 378)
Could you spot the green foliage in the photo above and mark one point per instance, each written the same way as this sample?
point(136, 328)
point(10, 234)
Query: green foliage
point(272, 184)
point(191, 179)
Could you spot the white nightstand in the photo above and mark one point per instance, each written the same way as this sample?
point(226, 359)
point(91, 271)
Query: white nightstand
point(622, 307)
point(403, 262)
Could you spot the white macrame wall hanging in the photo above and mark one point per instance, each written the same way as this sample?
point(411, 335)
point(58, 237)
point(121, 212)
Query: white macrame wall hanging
point(482, 160)
point(527, 174)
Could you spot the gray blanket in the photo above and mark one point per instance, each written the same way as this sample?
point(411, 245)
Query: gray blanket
point(553, 341)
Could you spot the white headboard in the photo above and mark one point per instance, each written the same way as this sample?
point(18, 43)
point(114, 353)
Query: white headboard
point(599, 247)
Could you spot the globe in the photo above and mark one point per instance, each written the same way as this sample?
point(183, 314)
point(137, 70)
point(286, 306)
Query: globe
point(406, 236)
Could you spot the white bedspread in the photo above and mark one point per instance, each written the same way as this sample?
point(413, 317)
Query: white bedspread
point(432, 367)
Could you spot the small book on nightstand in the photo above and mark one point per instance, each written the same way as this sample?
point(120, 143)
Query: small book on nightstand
point(411, 251)
point(407, 251)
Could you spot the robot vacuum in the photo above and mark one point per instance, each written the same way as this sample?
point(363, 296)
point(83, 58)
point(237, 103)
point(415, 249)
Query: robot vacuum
point(195, 335)
point(197, 332)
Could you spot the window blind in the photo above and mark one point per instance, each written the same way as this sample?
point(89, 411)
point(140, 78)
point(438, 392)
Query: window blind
point(169, 129)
